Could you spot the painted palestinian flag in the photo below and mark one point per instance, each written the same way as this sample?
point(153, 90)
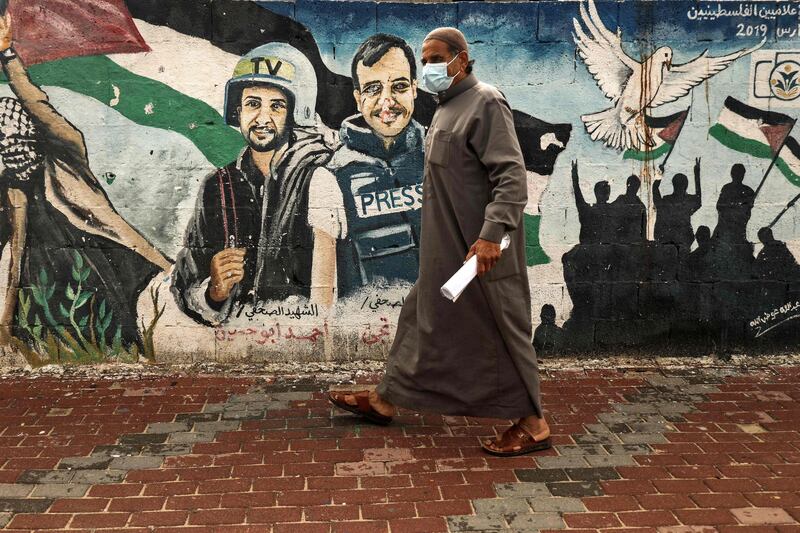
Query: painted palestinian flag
point(759, 133)
point(665, 131)
point(750, 130)
point(174, 92)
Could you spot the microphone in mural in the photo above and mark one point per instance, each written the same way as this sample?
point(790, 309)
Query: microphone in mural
point(76, 266)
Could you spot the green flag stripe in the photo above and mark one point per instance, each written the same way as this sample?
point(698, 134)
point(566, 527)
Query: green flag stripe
point(736, 142)
point(751, 147)
point(639, 155)
point(793, 178)
point(534, 254)
point(146, 102)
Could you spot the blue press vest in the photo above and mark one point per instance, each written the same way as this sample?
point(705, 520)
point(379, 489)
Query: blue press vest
point(382, 191)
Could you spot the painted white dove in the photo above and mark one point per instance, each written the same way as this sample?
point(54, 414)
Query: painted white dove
point(634, 86)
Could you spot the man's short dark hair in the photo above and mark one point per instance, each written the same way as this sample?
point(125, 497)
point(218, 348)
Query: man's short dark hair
point(374, 48)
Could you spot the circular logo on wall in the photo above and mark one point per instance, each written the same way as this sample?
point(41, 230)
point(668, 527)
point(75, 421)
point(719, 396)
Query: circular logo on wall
point(784, 80)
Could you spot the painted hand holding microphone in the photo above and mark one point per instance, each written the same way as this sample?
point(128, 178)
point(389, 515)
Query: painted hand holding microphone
point(227, 269)
point(453, 288)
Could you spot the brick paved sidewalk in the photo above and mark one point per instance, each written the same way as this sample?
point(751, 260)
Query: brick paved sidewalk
point(667, 451)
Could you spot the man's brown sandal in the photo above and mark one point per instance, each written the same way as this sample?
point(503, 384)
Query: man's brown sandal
point(362, 407)
point(516, 441)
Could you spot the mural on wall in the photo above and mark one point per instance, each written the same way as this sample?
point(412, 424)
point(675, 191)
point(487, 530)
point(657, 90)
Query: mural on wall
point(75, 265)
point(261, 227)
point(620, 273)
point(275, 151)
point(379, 168)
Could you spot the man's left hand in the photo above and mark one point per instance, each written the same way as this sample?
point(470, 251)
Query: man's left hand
point(488, 254)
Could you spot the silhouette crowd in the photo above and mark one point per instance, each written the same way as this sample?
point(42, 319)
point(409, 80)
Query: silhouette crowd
point(627, 290)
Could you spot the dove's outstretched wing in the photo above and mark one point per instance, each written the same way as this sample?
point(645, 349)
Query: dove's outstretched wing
point(679, 80)
point(603, 54)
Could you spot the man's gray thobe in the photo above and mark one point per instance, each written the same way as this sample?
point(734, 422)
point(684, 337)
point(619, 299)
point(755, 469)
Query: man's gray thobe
point(473, 356)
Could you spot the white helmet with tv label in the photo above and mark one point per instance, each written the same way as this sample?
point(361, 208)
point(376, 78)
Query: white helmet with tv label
point(280, 65)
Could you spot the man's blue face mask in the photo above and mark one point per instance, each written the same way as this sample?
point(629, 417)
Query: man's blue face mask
point(435, 78)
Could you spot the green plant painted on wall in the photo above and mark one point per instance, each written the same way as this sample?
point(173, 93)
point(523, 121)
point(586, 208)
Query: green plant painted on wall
point(82, 330)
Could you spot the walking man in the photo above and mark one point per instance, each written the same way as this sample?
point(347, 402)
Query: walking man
point(472, 357)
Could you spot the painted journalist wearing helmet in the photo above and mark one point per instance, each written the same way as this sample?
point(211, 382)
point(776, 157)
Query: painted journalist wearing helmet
point(379, 168)
point(265, 226)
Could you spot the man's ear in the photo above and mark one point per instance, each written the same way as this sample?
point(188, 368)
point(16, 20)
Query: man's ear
point(463, 60)
point(357, 96)
point(414, 88)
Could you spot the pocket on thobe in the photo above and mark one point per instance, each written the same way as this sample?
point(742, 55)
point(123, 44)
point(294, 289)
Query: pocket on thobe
point(439, 153)
point(506, 266)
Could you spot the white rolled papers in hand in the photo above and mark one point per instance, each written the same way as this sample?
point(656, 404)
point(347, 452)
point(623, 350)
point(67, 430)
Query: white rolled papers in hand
point(453, 288)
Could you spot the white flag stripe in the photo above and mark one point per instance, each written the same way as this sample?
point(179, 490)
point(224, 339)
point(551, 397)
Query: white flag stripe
point(744, 127)
point(190, 65)
point(791, 159)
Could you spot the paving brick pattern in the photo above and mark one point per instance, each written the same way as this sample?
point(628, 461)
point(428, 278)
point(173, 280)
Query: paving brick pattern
point(677, 450)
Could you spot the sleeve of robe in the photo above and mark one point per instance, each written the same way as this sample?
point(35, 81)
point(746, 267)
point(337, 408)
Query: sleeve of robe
point(70, 185)
point(494, 140)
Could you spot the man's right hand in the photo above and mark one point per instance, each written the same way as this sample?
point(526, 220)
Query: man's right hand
point(227, 269)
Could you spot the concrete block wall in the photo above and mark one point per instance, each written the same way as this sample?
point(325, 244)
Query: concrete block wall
point(662, 171)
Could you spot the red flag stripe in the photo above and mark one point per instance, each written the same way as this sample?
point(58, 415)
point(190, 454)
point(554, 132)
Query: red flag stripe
point(670, 133)
point(776, 135)
point(46, 30)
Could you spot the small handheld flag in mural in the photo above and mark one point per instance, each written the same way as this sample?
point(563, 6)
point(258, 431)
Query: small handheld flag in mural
point(664, 133)
point(788, 162)
point(46, 31)
point(751, 130)
point(755, 132)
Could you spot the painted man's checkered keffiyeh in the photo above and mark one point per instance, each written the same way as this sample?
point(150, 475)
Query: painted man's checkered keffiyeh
point(18, 145)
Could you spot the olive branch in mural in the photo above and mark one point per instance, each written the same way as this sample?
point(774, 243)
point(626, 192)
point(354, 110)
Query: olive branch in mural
point(636, 87)
point(81, 330)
